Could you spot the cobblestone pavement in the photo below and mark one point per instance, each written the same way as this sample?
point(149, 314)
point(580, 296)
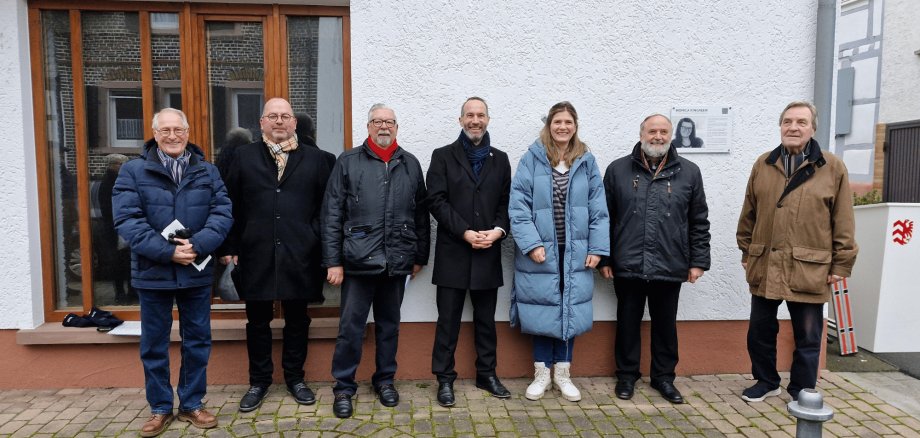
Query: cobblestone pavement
point(714, 408)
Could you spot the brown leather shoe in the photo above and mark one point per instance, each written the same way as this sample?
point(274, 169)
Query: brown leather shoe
point(200, 418)
point(156, 424)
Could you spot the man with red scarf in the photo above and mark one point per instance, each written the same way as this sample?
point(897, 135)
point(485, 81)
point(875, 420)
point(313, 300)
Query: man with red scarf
point(375, 233)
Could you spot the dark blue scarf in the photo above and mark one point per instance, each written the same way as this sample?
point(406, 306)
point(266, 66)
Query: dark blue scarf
point(476, 153)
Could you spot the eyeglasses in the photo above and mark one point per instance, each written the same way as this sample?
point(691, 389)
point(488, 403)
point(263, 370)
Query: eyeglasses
point(178, 131)
point(378, 123)
point(274, 117)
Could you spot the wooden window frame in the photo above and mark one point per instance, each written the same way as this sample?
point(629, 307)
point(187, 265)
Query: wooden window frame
point(194, 97)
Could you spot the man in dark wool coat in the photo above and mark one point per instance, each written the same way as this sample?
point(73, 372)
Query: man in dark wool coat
point(276, 185)
point(469, 183)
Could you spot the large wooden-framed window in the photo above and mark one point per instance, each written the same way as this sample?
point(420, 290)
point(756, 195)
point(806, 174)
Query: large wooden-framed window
point(101, 69)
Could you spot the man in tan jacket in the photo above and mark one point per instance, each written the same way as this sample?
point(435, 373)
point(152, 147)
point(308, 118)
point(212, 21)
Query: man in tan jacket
point(796, 238)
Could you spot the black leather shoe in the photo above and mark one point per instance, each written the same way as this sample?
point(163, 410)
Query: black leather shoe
point(446, 394)
point(493, 385)
point(668, 391)
point(625, 389)
point(341, 407)
point(302, 394)
point(253, 398)
point(387, 394)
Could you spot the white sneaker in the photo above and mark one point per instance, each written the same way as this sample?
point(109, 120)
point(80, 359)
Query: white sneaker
point(562, 381)
point(541, 382)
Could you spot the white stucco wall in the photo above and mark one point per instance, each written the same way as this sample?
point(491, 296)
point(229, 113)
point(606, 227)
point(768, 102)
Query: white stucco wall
point(20, 264)
point(900, 96)
point(616, 61)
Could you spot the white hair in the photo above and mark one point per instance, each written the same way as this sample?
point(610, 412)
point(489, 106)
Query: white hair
point(156, 117)
point(376, 107)
point(666, 118)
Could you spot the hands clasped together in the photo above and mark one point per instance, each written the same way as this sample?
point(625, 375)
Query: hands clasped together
point(184, 254)
point(482, 239)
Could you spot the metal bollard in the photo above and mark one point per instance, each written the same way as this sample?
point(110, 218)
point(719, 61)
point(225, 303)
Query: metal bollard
point(810, 412)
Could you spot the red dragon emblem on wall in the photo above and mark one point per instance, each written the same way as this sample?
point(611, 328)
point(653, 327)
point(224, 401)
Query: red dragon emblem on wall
point(903, 231)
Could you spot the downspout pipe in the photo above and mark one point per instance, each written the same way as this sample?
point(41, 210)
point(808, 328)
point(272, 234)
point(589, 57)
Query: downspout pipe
point(825, 61)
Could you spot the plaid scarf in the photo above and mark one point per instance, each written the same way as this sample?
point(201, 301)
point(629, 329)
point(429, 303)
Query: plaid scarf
point(175, 166)
point(280, 151)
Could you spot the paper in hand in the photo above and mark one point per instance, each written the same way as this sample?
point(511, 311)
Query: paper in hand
point(174, 226)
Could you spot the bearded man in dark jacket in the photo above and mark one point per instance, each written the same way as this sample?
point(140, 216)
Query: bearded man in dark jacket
point(375, 232)
point(659, 232)
point(277, 186)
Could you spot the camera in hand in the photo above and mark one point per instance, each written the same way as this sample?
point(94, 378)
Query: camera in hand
point(182, 233)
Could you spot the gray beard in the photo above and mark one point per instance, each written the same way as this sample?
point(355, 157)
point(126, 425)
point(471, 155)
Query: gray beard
point(654, 151)
point(474, 139)
point(384, 144)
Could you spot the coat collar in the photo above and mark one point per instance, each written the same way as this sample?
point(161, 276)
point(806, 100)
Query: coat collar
point(539, 152)
point(150, 152)
point(815, 160)
point(814, 154)
point(367, 150)
point(295, 157)
point(459, 154)
point(152, 161)
point(671, 166)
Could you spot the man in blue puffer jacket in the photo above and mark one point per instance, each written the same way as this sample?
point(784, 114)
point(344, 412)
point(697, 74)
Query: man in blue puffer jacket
point(171, 181)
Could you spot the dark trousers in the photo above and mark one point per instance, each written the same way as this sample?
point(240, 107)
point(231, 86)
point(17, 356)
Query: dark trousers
point(385, 293)
point(807, 328)
point(450, 309)
point(259, 316)
point(194, 305)
point(662, 299)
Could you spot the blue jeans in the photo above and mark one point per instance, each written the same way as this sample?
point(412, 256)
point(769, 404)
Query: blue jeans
point(551, 350)
point(194, 306)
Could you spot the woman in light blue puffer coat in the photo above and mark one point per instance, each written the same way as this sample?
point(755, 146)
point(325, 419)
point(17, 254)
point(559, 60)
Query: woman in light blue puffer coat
point(559, 222)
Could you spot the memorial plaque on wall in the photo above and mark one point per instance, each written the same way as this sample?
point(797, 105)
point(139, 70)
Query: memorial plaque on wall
point(699, 129)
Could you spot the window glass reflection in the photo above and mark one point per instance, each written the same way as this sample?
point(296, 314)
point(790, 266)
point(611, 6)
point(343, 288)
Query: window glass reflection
point(167, 76)
point(315, 76)
point(61, 149)
point(236, 81)
point(115, 121)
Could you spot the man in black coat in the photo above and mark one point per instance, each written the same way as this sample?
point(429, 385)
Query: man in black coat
point(469, 183)
point(376, 231)
point(659, 233)
point(277, 186)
